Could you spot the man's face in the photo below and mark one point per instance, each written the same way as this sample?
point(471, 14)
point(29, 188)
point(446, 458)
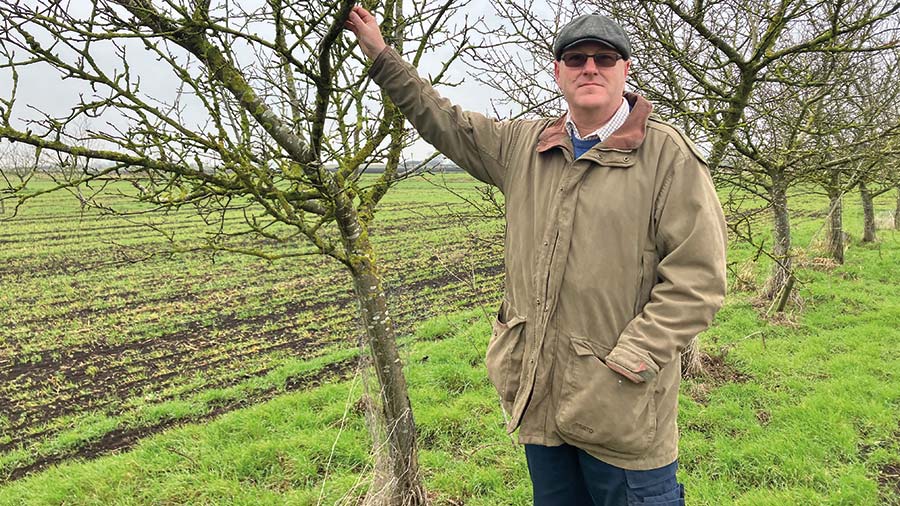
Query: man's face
point(589, 89)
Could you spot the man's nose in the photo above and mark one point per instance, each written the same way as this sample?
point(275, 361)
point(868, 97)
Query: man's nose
point(590, 66)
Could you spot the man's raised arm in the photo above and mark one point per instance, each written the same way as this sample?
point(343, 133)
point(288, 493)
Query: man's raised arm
point(479, 145)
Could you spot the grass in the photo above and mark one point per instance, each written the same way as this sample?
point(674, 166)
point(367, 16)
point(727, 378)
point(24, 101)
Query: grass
point(139, 345)
point(803, 409)
point(811, 419)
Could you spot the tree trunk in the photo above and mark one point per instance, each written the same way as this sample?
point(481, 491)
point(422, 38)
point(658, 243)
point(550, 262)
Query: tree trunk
point(404, 485)
point(836, 225)
point(785, 294)
point(782, 248)
point(868, 213)
point(380, 486)
point(897, 211)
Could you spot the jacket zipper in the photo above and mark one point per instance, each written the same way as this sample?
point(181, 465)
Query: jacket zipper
point(549, 275)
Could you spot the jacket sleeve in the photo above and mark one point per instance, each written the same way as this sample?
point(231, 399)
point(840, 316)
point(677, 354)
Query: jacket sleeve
point(473, 141)
point(690, 285)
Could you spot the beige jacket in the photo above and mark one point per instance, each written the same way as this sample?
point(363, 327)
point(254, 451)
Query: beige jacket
point(616, 257)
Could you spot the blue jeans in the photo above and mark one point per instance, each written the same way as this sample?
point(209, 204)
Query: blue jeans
point(567, 476)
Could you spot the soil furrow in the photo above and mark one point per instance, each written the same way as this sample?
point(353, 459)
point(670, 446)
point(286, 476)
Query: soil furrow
point(123, 439)
point(182, 350)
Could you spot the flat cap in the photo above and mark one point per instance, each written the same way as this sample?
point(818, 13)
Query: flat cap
point(592, 27)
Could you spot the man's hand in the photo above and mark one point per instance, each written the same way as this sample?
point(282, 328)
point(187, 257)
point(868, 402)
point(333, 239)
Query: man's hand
point(362, 23)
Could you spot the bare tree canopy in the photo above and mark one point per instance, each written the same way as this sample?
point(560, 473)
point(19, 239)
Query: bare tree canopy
point(238, 102)
point(262, 108)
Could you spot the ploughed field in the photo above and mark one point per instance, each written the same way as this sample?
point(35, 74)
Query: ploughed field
point(101, 345)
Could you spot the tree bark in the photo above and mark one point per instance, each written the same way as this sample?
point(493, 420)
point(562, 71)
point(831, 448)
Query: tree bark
point(897, 211)
point(785, 294)
point(868, 213)
point(379, 490)
point(836, 228)
point(782, 248)
point(405, 486)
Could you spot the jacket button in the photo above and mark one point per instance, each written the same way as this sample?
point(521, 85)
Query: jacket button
point(546, 243)
point(538, 302)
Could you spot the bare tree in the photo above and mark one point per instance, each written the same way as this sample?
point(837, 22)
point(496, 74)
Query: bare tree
point(897, 211)
point(885, 180)
point(865, 127)
point(728, 71)
point(515, 54)
point(847, 133)
point(884, 106)
point(268, 114)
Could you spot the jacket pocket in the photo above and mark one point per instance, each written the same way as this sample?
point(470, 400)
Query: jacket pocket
point(600, 407)
point(649, 263)
point(504, 356)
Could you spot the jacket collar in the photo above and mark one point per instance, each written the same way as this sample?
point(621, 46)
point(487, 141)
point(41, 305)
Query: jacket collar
point(628, 137)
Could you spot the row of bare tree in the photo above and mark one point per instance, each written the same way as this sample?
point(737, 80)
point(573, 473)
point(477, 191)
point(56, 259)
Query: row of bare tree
point(226, 106)
point(781, 94)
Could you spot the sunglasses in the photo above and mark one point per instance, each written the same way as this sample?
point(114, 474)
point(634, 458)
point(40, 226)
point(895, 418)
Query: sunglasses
point(577, 60)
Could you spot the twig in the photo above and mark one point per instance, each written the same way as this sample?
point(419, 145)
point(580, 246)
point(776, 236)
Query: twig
point(336, 439)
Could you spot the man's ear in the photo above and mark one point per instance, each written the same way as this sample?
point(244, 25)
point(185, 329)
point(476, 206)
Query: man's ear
point(556, 70)
point(627, 66)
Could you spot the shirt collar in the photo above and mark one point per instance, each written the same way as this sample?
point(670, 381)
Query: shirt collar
point(629, 137)
point(617, 120)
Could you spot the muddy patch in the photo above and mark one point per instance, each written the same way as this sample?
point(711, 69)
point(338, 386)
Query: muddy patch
point(715, 373)
point(889, 479)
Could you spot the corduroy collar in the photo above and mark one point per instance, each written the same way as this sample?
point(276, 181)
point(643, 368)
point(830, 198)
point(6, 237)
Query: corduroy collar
point(628, 137)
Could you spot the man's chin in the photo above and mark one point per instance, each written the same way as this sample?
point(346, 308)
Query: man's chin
point(591, 103)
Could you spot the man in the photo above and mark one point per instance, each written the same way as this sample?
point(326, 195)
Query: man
point(615, 260)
